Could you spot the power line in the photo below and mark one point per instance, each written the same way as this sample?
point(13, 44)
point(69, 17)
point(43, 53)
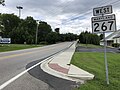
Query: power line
point(78, 16)
point(115, 2)
point(88, 12)
point(69, 2)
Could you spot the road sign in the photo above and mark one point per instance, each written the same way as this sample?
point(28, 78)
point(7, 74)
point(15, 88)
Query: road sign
point(102, 10)
point(104, 23)
point(5, 40)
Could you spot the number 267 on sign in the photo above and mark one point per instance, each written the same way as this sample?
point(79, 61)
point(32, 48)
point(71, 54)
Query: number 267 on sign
point(103, 26)
point(104, 23)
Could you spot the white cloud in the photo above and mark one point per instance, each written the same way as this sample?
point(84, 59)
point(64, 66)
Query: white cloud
point(117, 13)
point(70, 15)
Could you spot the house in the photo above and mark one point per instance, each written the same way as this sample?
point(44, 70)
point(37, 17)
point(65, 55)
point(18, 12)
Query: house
point(117, 39)
point(114, 37)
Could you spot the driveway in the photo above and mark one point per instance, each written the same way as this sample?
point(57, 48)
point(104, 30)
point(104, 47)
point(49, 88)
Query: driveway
point(86, 49)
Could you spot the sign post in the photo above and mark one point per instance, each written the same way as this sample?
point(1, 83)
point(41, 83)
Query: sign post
point(102, 24)
point(105, 58)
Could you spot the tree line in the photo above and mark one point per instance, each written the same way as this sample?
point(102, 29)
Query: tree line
point(90, 38)
point(24, 30)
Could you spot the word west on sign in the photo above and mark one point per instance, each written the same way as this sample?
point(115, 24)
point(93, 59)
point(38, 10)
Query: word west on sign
point(102, 10)
point(103, 23)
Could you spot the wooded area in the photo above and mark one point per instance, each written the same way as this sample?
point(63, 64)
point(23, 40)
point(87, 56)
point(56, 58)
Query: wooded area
point(24, 30)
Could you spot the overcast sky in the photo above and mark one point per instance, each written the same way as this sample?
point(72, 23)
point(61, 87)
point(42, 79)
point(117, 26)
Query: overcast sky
point(71, 16)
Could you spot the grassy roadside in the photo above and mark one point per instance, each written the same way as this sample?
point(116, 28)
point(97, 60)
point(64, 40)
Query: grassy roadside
point(11, 47)
point(94, 63)
point(90, 46)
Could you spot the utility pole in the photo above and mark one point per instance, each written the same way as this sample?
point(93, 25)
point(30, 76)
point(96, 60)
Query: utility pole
point(19, 8)
point(86, 38)
point(36, 36)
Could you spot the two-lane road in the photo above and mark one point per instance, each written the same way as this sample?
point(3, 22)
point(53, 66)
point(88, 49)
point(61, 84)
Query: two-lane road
point(14, 63)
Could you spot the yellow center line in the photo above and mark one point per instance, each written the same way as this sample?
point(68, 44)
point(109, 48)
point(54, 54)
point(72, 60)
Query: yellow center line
point(15, 55)
point(21, 54)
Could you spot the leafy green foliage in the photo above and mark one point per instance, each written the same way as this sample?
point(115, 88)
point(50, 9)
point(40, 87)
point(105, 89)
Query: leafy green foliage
point(24, 30)
point(88, 38)
point(101, 36)
point(11, 47)
point(1, 26)
point(10, 22)
point(43, 30)
point(52, 38)
point(115, 45)
point(57, 30)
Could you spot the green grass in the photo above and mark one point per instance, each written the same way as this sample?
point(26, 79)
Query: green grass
point(90, 46)
point(94, 63)
point(11, 47)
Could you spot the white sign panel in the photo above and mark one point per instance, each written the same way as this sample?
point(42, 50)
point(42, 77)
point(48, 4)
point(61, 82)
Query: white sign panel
point(102, 10)
point(5, 40)
point(104, 23)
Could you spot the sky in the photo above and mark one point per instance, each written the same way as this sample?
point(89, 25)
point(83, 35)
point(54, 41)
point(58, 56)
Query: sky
point(71, 16)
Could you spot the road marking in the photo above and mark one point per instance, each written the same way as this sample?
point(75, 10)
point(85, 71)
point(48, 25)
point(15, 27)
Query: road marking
point(20, 74)
point(14, 55)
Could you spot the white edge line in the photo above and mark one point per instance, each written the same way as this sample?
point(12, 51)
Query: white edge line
point(20, 74)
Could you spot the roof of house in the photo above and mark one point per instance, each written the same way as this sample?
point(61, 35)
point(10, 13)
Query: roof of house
point(117, 36)
point(113, 35)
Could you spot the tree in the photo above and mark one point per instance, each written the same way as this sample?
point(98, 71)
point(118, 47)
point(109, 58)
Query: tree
point(25, 32)
point(70, 37)
point(89, 38)
point(1, 26)
point(96, 39)
point(2, 2)
point(10, 22)
point(82, 37)
point(29, 26)
point(62, 37)
point(101, 36)
point(43, 30)
point(52, 38)
point(57, 30)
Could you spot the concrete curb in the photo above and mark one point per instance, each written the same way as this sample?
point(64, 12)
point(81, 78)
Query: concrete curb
point(78, 73)
point(62, 60)
point(44, 66)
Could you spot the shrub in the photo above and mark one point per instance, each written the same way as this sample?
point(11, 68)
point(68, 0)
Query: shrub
point(115, 45)
point(43, 43)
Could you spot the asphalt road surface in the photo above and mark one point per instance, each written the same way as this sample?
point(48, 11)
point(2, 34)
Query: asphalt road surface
point(84, 49)
point(20, 70)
